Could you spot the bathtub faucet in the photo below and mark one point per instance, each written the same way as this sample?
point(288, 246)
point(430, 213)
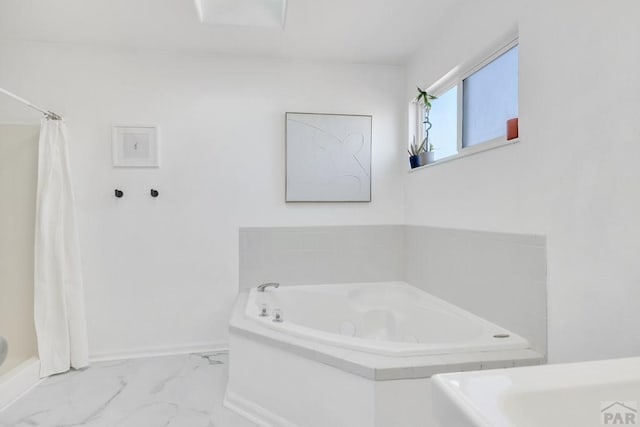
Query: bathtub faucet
point(264, 286)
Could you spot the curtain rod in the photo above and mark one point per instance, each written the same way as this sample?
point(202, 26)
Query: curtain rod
point(48, 114)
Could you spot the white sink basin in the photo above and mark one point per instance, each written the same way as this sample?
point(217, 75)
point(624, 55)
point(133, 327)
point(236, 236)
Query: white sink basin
point(577, 394)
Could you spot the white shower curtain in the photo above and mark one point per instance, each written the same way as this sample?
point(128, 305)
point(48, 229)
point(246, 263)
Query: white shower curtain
point(59, 297)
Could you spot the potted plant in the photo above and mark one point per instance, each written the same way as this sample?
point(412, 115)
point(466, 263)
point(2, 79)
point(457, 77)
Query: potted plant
point(415, 151)
point(427, 154)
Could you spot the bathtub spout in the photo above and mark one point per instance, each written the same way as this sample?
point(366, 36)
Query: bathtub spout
point(264, 286)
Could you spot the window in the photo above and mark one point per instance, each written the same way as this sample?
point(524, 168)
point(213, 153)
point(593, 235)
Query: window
point(444, 136)
point(490, 98)
point(473, 106)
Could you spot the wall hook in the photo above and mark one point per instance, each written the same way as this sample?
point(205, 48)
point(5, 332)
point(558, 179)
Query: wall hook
point(154, 193)
point(119, 193)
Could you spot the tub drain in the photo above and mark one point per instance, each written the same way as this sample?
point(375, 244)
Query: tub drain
point(501, 336)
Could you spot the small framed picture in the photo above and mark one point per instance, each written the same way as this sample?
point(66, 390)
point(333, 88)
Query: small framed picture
point(135, 147)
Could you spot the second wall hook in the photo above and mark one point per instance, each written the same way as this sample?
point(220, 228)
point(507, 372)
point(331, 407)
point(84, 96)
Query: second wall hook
point(118, 193)
point(154, 193)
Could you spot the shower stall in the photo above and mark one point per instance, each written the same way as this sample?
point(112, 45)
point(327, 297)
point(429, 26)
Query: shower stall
point(18, 180)
point(42, 324)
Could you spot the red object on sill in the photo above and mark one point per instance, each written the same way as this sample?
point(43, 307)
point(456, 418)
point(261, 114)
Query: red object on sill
point(512, 129)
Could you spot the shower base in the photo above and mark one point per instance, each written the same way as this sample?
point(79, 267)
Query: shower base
point(18, 380)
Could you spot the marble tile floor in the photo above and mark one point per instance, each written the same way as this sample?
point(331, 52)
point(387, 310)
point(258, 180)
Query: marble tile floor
point(170, 391)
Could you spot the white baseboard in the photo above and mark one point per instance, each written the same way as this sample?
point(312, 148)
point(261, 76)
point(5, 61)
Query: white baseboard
point(253, 412)
point(18, 382)
point(160, 351)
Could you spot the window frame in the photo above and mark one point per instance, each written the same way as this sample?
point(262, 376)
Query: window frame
point(455, 78)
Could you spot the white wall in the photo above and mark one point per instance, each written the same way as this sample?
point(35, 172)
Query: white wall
point(574, 176)
point(163, 272)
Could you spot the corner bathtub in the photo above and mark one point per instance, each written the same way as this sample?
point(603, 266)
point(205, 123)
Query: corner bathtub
point(354, 355)
point(392, 318)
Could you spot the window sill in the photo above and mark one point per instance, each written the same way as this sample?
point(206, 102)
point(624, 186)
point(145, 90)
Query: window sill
point(468, 152)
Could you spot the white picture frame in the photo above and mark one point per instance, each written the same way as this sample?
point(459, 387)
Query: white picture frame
point(328, 157)
point(135, 147)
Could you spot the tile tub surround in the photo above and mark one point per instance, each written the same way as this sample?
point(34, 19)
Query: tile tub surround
point(174, 391)
point(327, 254)
point(501, 277)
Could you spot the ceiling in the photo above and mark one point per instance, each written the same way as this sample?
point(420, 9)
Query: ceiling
point(368, 31)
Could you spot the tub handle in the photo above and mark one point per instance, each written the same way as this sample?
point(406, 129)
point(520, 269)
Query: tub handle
point(264, 310)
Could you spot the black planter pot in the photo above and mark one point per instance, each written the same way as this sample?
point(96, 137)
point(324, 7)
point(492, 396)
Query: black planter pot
point(414, 161)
